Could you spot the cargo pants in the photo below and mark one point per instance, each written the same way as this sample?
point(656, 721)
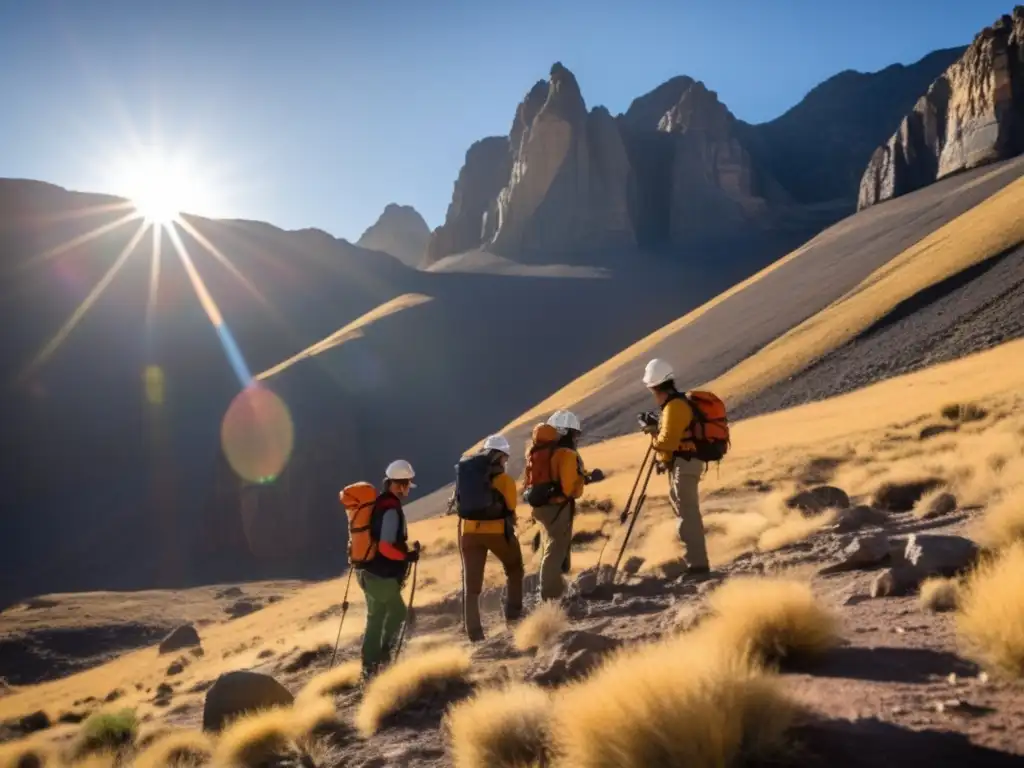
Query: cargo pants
point(556, 524)
point(385, 612)
point(475, 548)
point(684, 479)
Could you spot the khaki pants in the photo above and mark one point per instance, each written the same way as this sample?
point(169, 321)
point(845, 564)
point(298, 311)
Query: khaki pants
point(474, 548)
point(686, 474)
point(556, 523)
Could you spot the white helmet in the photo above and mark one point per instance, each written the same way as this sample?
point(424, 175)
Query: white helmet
point(400, 469)
point(657, 372)
point(564, 421)
point(498, 443)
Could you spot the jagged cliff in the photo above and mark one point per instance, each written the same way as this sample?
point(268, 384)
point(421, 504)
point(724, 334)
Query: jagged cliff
point(972, 114)
point(401, 232)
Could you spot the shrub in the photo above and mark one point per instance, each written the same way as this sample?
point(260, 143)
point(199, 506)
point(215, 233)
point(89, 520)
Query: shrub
point(107, 732)
point(28, 753)
point(501, 727)
point(990, 621)
point(174, 749)
point(255, 740)
point(1003, 523)
point(541, 627)
point(940, 595)
point(770, 618)
point(341, 678)
point(408, 679)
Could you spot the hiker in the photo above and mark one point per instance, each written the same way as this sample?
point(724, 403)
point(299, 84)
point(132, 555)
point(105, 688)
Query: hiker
point(485, 499)
point(675, 453)
point(383, 574)
point(554, 480)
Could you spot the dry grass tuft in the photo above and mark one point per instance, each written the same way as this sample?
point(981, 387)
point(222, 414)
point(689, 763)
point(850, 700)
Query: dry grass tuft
point(1003, 523)
point(793, 528)
point(940, 595)
point(406, 681)
point(990, 621)
point(316, 717)
point(341, 678)
point(680, 702)
point(176, 748)
point(542, 627)
point(770, 618)
point(258, 739)
point(28, 753)
point(963, 413)
point(501, 727)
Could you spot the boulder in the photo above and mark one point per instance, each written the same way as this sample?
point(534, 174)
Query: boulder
point(862, 552)
point(37, 721)
point(942, 504)
point(896, 582)
point(817, 499)
point(940, 555)
point(575, 654)
point(400, 232)
point(972, 114)
point(902, 496)
point(242, 608)
point(176, 667)
point(235, 693)
point(855, 518)
point(183, 636)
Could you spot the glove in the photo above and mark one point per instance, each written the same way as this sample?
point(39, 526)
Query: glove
point(660, 467)
point(649, 422)
point(413, 554)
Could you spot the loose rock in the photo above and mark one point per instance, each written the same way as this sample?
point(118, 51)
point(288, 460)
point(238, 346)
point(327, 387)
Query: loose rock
point(184, 636)
point(235, 693)
point(901, 497)
point(855, 518)
point(862, 552)
point(943, 504)
point(935, 555)
point(818, 499)
point(575, 654)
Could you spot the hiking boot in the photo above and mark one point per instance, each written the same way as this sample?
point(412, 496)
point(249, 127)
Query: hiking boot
point(476, 636)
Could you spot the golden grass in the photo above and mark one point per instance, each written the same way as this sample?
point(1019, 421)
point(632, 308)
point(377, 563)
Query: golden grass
point(792, 528)
point(990, 621)
point(107, 731)
point(542, 627)
point(32, 752)
point(939, 595)
point(255, 739)
point(342, 678)
point(502, 728)
point(687, 701)
point(407, 680)
point(771, 618)
point(1003, 523)
point(176, 748)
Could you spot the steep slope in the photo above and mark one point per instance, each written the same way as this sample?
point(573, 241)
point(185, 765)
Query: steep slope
point(401, 232)
point(817, 150)
point(971, 115)
point(723, 337)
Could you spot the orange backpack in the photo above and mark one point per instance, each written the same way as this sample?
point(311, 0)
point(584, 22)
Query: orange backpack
point(539, 483)
point(710, 425)
point(358, 500)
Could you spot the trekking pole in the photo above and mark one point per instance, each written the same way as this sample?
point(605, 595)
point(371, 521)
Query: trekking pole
point(344, 610)
point(405, 624)
point(629, 502)
point(636, 514)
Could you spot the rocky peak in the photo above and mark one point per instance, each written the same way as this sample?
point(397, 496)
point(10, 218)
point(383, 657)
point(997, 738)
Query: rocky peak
point(526, 112)
point(973, 114)
point(564, 98)
point(698, 109)
point(401, 232)
point(646, 112)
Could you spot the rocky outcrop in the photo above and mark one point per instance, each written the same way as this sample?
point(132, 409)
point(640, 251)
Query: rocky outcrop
point(401, 232)
point(570, 183)
point(473, 213)
point(971, 115)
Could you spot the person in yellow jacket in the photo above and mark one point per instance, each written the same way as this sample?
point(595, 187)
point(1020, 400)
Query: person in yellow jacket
point(555, 517)
point(480, 537)
point(674, 452)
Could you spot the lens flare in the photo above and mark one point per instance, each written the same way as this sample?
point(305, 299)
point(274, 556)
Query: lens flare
point(257, 434)
point(153, 384)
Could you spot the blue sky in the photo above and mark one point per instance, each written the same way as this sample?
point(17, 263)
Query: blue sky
point(318, 114)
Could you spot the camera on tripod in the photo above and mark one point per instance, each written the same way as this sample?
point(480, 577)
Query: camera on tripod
point(648, 421)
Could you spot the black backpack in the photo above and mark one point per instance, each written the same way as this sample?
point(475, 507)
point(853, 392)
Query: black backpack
point(475, 497)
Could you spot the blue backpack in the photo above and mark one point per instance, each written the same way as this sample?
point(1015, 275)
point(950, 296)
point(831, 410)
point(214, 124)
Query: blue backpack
point(475, 497)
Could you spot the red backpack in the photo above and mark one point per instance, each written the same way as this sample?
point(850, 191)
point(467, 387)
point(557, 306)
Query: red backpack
point(710, 425)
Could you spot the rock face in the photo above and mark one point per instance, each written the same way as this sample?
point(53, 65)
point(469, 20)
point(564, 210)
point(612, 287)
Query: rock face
point(401, 232)
point(184, 636)
point(473, 212)
point(972, 114)
point(570, 181)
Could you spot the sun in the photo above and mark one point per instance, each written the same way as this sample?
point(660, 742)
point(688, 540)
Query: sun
point(159, 186)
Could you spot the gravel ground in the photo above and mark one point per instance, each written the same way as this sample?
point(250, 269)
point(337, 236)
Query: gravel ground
point(974, 310)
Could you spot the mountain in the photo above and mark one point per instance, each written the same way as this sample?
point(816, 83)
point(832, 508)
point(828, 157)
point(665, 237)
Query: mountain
point(401, 232)
point(971, 115)
point(676, 172)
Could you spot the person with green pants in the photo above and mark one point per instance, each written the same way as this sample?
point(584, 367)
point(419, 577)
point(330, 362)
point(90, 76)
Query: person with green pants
point(382, 576)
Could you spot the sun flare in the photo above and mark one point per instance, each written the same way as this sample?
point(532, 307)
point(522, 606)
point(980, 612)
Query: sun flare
point(160, 187)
